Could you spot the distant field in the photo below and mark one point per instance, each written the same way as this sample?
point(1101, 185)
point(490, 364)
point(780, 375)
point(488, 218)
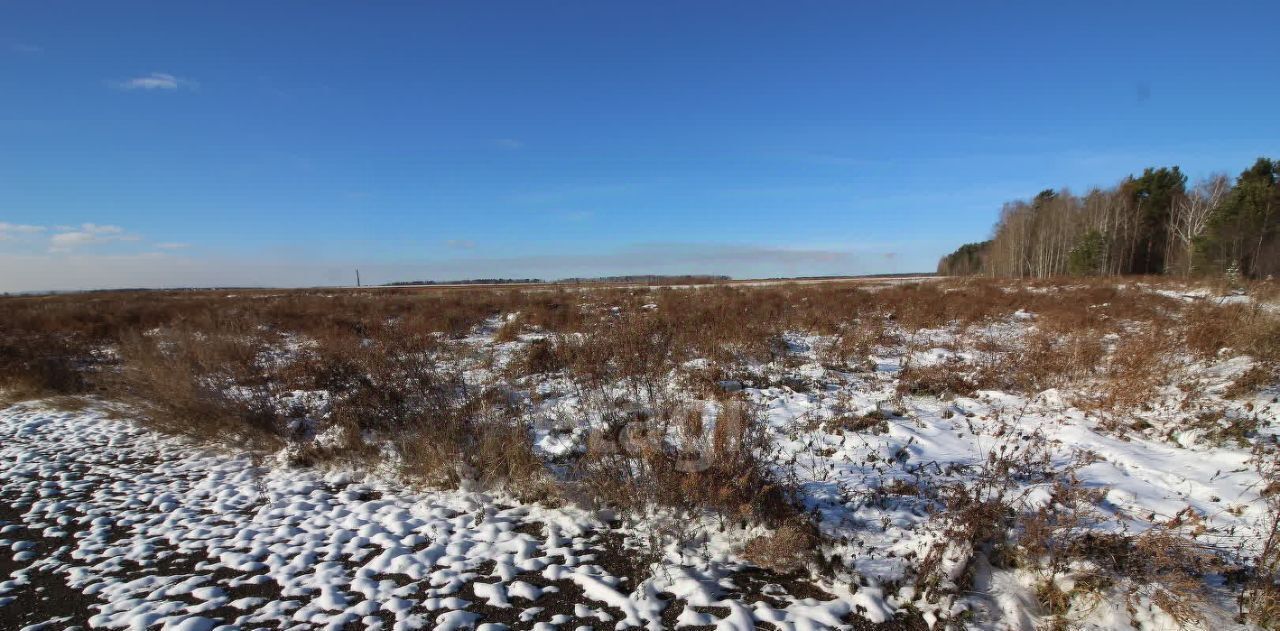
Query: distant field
point(808, 453)
point(876, 279)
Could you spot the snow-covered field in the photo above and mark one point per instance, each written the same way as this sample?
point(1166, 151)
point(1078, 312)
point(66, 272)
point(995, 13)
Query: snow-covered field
point(112, 526)
point(107, 524)
point(152, 531)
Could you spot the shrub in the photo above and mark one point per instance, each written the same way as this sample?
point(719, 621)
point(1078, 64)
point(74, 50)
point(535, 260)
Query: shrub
point(541, 356)
point(1259, 598)
point(201, 385)
point(938, 380)
point(1253, 380)
point(788, 549)
point(699, 468)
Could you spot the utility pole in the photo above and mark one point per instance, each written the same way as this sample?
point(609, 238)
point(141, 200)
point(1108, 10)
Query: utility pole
point(357, 277)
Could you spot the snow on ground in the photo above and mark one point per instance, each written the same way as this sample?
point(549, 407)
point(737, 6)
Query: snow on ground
point(109, 525)
point(112, 526)
point(1144, 478)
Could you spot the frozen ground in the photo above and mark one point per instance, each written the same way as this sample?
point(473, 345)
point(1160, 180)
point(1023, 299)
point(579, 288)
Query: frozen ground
point(108, 525)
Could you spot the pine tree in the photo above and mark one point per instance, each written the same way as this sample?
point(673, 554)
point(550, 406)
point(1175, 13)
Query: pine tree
point(1243, 231)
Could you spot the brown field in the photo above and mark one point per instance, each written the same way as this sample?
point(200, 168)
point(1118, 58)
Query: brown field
point(401, 366)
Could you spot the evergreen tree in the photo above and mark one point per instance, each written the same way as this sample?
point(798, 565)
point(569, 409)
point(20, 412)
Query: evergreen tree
point(1148, 224)
point(1152, 196)
point(1089, 257)
point(967, 260)
point(1244, 231)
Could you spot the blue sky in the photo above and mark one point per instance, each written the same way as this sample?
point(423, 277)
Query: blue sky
point(285, 143)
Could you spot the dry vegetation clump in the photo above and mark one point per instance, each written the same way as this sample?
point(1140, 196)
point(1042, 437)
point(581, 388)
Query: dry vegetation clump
point(206, 385)
point(1243, 329)
point(33, 365)
point(641, 353)
point(541, 356)
point(1265, 291)
point(1074, 565)
point(473, 436)
point(1208, 329)
point(1039, 360)
point(980, 513)
point(949, 378)
point(860, 339)
point(716, 465)
point(446, 452)
point(509, 331)
point(390, 385)
point(1077, 566)
point(1255, 379)
point(503, 455)
point(727, 325)
point(561, 312)
point(1051, 541)
point(1259, 600)
point(632, 351)
point(1221, 428)
point(1137, 367)
point(409, 391)
point(1174, 567)
point(1160, 565)
point(928, 306)
point(786, 550)
point(874, 422)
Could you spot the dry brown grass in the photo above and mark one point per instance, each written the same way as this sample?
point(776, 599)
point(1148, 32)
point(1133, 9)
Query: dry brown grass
point(875, 422)
point(1259, 600)
point(1056, 541)
point(51, 344)
point(541, 356)
point(1253, 380)
point(203, 385)
point(979, 514)
point(950, 378)
point(718, 467)
point(209, 365)
point(788, 549)
point(1137, 367)
point(1249, 330)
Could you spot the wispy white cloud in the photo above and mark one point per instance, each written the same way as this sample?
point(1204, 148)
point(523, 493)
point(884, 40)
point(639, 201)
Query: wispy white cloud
point(577, 215)
point(509, 143)
point(461, 244)
point(11, 231)
point(90, 268)
point(22, 48)
point(172, 245)
point(738, 260)
point(70, 271)
point(155, 81)
point(578, 194)
point(87, 234)
point(19, 227)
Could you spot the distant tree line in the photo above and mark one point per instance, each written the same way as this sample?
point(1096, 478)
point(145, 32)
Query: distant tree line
point(644, 278)
point(649, 279)
point(1149, 224)
point(469, 281)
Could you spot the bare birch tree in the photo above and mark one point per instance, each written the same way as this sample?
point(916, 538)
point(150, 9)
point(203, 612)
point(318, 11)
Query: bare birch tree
point(1191, 215)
